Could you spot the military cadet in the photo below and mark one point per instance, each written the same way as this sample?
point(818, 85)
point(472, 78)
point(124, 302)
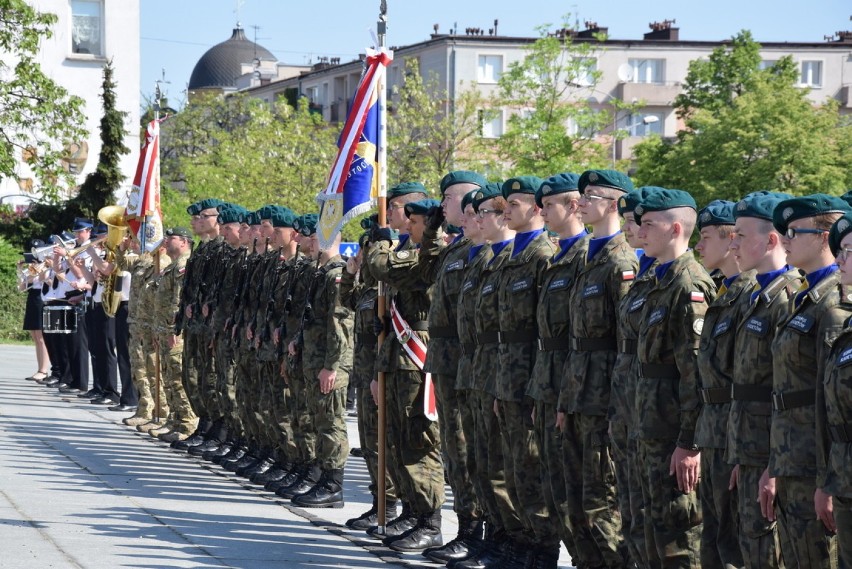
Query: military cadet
point(182, 420)
point(667, 403)
point(756, 246)
point(833, 496)
point(716, 353)
point(800, 352)
point(361, 297)
point(443, 264)
point(413, 437)
point(558, 198)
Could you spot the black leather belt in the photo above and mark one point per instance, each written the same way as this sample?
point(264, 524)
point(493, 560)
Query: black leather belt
point(518, 337)
point(419, 326)
point(554, 344)
point(715, 395)
point(658, 371)
point(757, 393)
point(628, 346)
point(593, 344)
point(782, 401)
point(443, 332)
point(840, 433)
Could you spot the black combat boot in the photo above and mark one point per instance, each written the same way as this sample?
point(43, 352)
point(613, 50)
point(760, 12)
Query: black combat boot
point(394, 526)
point(490, 554)
point(249, 459)
point(278, 471)
point(196, 438)
point(218, 452)
point(236, 453)
point(289, 477)
point(217, 434)
point(370, 518)
point(466, 543)
point(327, 493)
point(265, 463)
point(426, 534)
point(308, 478)
point(543, 557)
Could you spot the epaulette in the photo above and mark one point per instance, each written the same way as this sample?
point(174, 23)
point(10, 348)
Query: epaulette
point(788, 280)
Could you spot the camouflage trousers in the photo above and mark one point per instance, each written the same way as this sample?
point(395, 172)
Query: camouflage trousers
point(368, 435)
point(549, 439)
point(304, 436)
point(193, 368)
point(286, 451)
point(266, 371)
point(246, 373)
point(843, 519)
point(414, 443)
point(208, 387)
point(719, 537)
point(490, 474)
point(454, 447)
point(759, 538)
point(226, 385)
point(469, 404)
point(181, 414)
point(672, 518)
point(329, 416)
point(143, 363)
point(804, 540)
point(629, 491)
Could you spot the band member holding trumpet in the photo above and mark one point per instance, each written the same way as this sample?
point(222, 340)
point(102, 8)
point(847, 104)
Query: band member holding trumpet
point(29, 270)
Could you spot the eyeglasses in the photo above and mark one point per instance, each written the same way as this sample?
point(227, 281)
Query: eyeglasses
point(204, 216)
point(792, 232)
point(396, 206)
point(843, 254)
point(481, 213)
point(592, 197)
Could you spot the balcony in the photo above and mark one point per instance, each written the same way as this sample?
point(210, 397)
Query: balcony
point(845, 97)
point(654, 94)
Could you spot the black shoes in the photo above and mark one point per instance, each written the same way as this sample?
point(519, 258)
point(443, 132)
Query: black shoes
point(308, 475)
point(370, 518)
point(68, 390)
point(426, 534)
point(104, 400)
point(123, 408)
point(396, 527)
point(220, 451)
point(91, 394)
point(466, 544)
point(326, 493)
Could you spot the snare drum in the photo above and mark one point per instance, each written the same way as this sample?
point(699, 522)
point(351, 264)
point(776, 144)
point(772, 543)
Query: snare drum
point(59, 319)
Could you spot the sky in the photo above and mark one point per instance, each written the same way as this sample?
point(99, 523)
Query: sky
point(176, 33)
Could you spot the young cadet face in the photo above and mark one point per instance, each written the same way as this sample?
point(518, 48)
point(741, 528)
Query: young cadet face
point(245, 234)
point(266, 229)
point(713, 247)
point(451, 203)
point(750, 242)
point(595, 203)
point(231, 233)
point(556, 211)
point(205, 221)
point(844, 260)
point(804, 246)
point(416, 227)
point(490, 220)
point(471, 228)
point(520, 211)
point(655, 232)
point(396, 216)
point(631, 230)
point(282, 236)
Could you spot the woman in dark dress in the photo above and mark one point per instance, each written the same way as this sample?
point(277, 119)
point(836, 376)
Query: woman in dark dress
point(30, 282)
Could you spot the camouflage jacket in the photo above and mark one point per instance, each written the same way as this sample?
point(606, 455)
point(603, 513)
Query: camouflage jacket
point(146, 301)
point(716, 354)
point(406, 287)
point(327, 326)
point(553, 321)
point(443, 267)
point(466, 314)
point(598, 288)
point(138, 268)
point(361, 297)
point(834, 417)
point(751, 408)
point(169, 288)
point(298, 284)
point(223, 302)
point(486, 323)
point(199, 279)
point(799, 356)
point(667, 402)
point(520, 280)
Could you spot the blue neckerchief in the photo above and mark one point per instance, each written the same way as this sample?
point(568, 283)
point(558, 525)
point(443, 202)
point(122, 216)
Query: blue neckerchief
point(566, 244)
point(457, 238)
point(598, 243)
point(814, 279)
point(661, 270)
point(524, 239)
point(403, 239)
point(497, 247)
point(730, 280)
point(764, 279)
point(645, 263)
point(473, 252)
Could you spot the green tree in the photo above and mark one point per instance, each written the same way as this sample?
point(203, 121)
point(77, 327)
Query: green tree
point(38, 117)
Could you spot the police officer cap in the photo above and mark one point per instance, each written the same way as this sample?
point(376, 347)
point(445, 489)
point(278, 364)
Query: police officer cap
point(804, 207)
point(283, 217)
point(179, 232)
point(406, 188)
point(555, 185)
point(759, 204)
point(521, 185)
point(717, 212)
point(100, 229)
point(36, 243)
point(628, 202)
point(420, 207)
point(488, 191)
point(662, 200)
point(81, 223)
point(605, 179)
point(461, 177)
point(306, 224)
point(231, 214)
point(841, 228)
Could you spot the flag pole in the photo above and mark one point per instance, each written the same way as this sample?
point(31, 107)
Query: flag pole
point(142, 248)
point(381, 160)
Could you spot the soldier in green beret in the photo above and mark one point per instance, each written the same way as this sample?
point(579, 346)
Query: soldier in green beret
point(800, 354)
point(667, 404)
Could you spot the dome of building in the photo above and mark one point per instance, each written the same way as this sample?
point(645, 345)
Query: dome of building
point(220, 66)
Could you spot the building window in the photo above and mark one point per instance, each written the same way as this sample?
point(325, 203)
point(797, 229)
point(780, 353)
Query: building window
point(87, 27)
point(490, 68)
point(767, 64)
point(648, 70)
point(642, 124)
point(811, 74)
point(491, 123)
point(586, 72)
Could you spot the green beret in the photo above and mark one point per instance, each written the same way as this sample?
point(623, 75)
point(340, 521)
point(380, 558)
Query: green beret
point(662, 200)
point(717, 212)
point(605, 179)
point(841, 228)
point(468, 199)
point(232, 214)
point(451, 229)
point(804, 207)
point(461, 177)
point(406, 188)
point(521, 185)
point(759, 205)
point(628, 202)
point(180, 232)
point(847, 197)
point(209, 203)
point(488, 191)
point(255, 218)
point(193, 209)
point(267, 211)
point(420, 207)
point(283, 217)
point(306, 224)
point(555, 185)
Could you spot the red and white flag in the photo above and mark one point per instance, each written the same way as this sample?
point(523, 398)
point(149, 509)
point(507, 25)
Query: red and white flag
point(143, 205)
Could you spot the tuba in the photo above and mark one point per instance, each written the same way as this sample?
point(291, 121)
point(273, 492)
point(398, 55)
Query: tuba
point(113, 217)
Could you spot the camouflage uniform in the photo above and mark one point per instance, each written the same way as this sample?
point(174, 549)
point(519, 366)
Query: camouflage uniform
point(667, 407)
point(182, 417)
point(599, 286)
point(716, 355)
point(553, 320)
point(751, 409)
point(800, 354)
point(413, 439)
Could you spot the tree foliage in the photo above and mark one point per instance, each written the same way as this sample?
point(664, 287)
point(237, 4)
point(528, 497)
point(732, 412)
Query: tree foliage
point(38, 117)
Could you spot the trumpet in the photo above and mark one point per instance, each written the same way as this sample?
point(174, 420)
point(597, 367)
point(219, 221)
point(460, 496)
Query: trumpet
point(71, 253)
point(45, 252)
